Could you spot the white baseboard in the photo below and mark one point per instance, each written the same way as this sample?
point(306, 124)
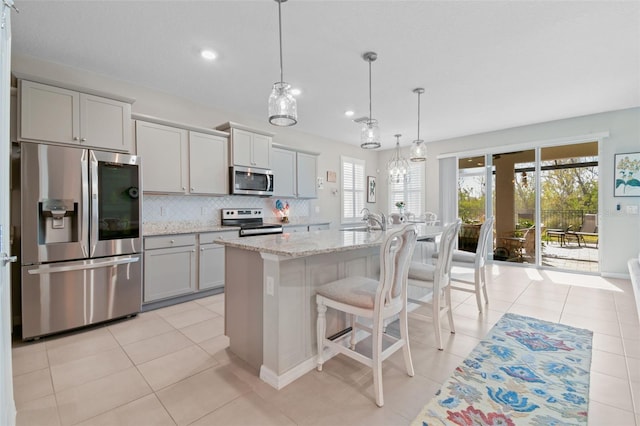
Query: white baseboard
point(615, 275)
point(280, 381)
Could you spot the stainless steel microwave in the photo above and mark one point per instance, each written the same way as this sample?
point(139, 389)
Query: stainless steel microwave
point(251, 181)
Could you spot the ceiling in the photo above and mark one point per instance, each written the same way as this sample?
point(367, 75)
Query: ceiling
point(485, 65)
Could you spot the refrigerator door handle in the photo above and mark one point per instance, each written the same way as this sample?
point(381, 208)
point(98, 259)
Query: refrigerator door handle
point(50, 269)
point(92, 216)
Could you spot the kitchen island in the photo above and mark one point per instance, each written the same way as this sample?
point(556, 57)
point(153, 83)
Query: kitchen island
point(270, 310)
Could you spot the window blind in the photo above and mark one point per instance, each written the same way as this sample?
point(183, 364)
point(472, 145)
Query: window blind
point(411, 192)
point(353, 188)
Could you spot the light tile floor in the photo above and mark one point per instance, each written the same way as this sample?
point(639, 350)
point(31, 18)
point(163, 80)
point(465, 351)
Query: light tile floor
point(171, 366)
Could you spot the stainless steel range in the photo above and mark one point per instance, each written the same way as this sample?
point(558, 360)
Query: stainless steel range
point(250, 222)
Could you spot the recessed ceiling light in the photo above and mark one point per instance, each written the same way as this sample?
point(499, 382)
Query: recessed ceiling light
point(349, 113)
point(208, 54)
point(295, 92)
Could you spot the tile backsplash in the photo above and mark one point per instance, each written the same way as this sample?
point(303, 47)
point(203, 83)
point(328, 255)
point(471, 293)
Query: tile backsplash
point(181, 208)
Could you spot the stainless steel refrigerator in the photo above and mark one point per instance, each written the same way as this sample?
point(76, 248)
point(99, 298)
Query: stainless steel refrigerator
point(79, 231)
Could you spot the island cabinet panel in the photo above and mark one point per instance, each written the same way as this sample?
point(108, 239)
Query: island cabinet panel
point(169, 267)
point(243, 304)
point(270, 310)
point(54, 114)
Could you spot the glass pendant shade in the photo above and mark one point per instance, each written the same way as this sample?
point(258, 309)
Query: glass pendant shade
point(418, 151)
point(283, 110)
point(370, 135)
point(418, 148)
point(398, 166)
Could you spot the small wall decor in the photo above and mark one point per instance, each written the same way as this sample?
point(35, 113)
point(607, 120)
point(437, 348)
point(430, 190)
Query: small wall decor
point(331, 176)
point(371, 189)
point(627, 178)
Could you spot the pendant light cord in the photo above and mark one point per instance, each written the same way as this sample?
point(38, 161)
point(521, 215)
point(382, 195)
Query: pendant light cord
point(419, 115)
point(370, 91)
point(280, 35)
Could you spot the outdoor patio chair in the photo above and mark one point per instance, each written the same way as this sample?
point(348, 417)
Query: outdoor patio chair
point(589, 227)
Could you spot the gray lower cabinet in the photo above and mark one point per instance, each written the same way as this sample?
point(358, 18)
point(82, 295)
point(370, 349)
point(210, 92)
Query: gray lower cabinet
point(211, 260)
point(178, 265)
point(169, 266)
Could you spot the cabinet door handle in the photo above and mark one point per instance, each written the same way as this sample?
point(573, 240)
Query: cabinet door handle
point(83, 140)
point(192, 188)
point(193, 251)
point(76, 138)
point(172, 241)
point(202, 249)
point(184, 188)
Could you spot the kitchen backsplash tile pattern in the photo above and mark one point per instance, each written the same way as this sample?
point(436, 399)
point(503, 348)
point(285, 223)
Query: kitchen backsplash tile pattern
point(206, 210)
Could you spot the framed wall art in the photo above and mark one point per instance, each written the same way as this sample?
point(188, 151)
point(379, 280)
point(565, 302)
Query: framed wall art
point(371, 189)
point(627, 178)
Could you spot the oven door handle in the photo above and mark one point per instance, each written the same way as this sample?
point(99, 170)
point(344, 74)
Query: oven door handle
point(94, 264)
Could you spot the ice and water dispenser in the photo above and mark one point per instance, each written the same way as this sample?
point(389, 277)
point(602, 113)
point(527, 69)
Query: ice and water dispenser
point(58, 221)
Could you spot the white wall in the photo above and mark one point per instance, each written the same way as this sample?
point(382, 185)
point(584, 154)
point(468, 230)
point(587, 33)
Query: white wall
point(619, 232)
point(169, 107)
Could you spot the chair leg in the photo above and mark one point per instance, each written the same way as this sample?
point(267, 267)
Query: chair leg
point(483, 284)
point(377, 362)
point(352, 322)
point(404, 335)
point(321, 329)
point(447, 295)
point(478, 291)
point(435, 314)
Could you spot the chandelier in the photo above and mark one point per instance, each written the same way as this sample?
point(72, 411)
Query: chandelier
point(418, 149)
point(283, 110)
point(398, 166)
point(370, 133)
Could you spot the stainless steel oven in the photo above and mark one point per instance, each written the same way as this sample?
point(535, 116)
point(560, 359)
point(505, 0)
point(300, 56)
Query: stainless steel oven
point(251, 181)
point(80, 238)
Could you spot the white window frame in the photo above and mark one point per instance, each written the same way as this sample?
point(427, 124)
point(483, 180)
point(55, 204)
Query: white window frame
point(411, 192)
point(357, 189)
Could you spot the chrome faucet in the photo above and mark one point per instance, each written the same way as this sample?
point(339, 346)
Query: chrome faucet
point(379, 219)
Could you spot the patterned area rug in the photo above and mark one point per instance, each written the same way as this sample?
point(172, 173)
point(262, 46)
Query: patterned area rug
point(526, 371)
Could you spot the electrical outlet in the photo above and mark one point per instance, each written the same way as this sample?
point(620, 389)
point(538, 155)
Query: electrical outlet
point(317, 209)
point(163, 211)
point(320, 180)
point(270, 286)
point(632, 209)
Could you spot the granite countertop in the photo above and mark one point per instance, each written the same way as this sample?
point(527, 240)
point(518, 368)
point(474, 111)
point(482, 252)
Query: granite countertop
point(170, 228)
point(319, 242)
point(194, 227)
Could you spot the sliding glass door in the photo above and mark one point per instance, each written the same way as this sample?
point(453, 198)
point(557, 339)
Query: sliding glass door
point(545, 203)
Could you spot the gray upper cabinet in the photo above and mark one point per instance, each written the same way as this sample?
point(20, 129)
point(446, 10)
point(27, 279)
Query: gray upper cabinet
point(284, 171)
point(208, 171)
point(294, 173)
point(164, 151)
point(59, 115)
point(248, 147)
point(306, 172)
point(181, 161)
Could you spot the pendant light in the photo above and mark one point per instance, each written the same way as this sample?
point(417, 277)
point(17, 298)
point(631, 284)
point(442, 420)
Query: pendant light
point(370, 133)
point(283, 110)
point(398, 166)
point(418, 149)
